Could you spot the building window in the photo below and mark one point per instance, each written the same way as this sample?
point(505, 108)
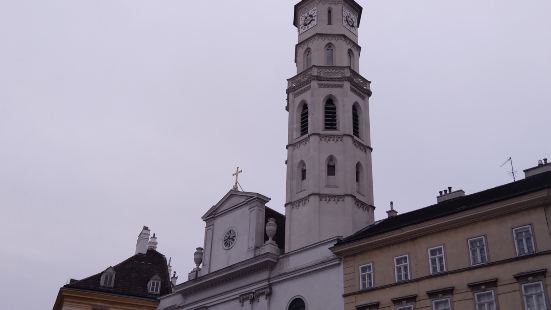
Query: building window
point(331, 167)
point(436, 260)
point(401, 266)
point(329, 17)
point(355, 121)
point(366, 276)
point(477, 250)
point(329, 54)
point(302, 176)
point(359, 178)
point(441, 304)
point(409, 307)
point(330, 115)
point(297, 304)
point(351, 59)
point(154, 285)
point(108, 278)
point(533, 296)
point(304, 120)
point(307, 59)
point(524, 241)
point(485, 300)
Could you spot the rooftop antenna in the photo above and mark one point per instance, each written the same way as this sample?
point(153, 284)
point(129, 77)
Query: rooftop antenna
point(513, 171)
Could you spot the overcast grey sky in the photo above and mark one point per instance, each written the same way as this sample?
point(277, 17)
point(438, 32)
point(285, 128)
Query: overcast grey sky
point(120, 113)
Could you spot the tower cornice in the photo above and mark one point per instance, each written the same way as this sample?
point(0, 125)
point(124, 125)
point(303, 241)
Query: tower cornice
point(329, 73)
point(335, 137)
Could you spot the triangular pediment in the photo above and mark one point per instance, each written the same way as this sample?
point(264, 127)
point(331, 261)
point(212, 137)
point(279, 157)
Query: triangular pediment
point(233, 200)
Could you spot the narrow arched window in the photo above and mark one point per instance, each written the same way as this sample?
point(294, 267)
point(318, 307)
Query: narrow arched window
point(329, 54)
point(297, 304)
point(304, 120)
point(108, 278)
point(351, 59)
point(330, 119)
point(355, 121)
point(359, 178)
point(307, 59)
point(329, 17)
point(331, 171)
point(301, 176)
point(154, 285)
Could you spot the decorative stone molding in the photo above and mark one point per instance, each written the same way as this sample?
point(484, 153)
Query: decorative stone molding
point(247, 297)
point(329, 74)
point(299, 203)
point(357, 93)
point(300, 143)
point(331, 138)
point(302, 91)
point(332, 198)
point(362, 205)
point(329, 85)
point(360, 146)
point(266, 292)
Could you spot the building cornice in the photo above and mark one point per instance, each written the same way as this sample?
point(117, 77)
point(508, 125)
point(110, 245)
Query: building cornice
point(334, 137)
point(74, 295)
point(329, 198)
point(514, 205)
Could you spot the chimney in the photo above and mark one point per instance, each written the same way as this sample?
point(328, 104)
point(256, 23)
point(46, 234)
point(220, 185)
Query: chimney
point(449, 194)
point(143, 240)
point(152, 244)
point(543, 166)
point(392, 212)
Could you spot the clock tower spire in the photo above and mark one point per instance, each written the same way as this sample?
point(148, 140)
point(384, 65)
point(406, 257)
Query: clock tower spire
point(329, 175)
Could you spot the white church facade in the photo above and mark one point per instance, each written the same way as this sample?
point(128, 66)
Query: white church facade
point(258, 259)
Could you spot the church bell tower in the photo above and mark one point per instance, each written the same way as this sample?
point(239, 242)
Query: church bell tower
point(329, 174)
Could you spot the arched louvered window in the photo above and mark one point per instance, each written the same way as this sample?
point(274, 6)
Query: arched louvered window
point(359, 178)
point(330, 117)
point(329, 54)
point(355, 121)
point(108, 278)
point(304, 120)
point(297, 304)
point(307, 59)
point(329, 16)
point(351, 59)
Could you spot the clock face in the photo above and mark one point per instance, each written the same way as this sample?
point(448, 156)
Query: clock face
point(308, 20)
point(350, 20)
point(229, 239)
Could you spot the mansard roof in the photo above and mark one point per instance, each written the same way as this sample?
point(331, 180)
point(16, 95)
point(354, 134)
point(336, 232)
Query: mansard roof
point(131, 277)
point(446, 208)
point(242, 198)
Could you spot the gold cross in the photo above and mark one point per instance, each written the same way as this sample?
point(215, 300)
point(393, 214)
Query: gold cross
point(236, 175)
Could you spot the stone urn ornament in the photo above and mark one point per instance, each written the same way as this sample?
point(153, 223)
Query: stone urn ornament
point(271, 229)
point(198, 257)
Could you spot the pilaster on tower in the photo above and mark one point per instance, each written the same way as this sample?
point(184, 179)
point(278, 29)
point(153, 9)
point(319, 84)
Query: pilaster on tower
point(329, 174)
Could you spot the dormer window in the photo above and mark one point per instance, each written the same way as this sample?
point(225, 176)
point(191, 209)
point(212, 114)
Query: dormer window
point(108, 278)
point(154, 285)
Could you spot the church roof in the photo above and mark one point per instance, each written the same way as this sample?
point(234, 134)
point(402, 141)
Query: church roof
point(131, 277)
point(449, 207)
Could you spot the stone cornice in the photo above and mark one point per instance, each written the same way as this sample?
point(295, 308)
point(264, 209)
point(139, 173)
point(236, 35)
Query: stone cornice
point(87, 296)
point(328, 198)
point(329, 74)
point(330, 138)
point(261, 262)
point(533, 200)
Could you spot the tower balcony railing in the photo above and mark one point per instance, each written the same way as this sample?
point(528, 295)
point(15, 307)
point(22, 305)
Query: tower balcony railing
point(329, 73)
